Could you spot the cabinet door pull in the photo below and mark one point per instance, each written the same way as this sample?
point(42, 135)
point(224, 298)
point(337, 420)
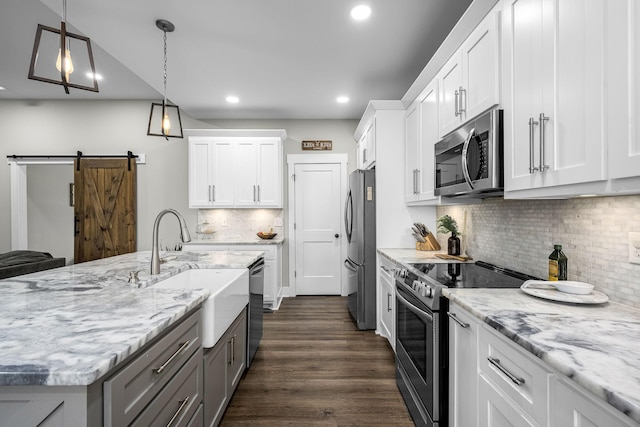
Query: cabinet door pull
point(455, 103)
point(364, 155)
point(183, 404)
point(532, 123)
point(417, 181)
point(460, 109)
point(172, 358)
point(233, 350)
point(209, 193)
point(388, 302)
point(543, 119)
point(213, 193)
point(258, 192)
point(496, 362)
point(458, 321)
point(254, 193)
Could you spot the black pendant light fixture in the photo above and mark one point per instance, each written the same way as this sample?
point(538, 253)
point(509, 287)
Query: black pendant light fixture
point(164, 119)
point(51, 60)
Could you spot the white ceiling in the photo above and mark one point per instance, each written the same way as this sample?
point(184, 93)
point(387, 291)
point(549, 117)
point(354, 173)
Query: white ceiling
point(284, 59)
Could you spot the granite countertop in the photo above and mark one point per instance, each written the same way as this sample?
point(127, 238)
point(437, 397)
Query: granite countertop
point(72, 325)
point(594, 345)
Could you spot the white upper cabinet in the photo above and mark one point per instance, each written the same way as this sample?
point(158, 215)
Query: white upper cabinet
point(366, 149)
point(470, 80)
point(258, 173)
point(210, 173)
point(269, 174)
point(421, 134)
point(236, 169)
point(553, 93)
point(623, 67)
point(246, 173)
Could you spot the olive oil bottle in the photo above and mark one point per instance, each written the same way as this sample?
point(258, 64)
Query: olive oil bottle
point(557, 264)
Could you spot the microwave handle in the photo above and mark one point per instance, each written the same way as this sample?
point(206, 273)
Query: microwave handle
point(465, 163)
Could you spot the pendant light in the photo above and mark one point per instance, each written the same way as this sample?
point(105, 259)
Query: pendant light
point(51, 60)
point(164, 119)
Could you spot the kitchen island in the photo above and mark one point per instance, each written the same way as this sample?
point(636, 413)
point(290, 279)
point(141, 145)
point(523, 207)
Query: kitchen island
point(593, 346)
point(69, 328)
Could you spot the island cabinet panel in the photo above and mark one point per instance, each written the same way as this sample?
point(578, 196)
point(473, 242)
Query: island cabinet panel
point(130, 390)
point(50, 406)
point(224, 365)
point(179, 400)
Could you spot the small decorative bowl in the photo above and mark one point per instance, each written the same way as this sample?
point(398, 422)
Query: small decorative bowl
point(266, 236)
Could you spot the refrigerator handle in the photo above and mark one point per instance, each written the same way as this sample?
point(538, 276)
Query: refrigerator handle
point(348, 216)
point(350, 266)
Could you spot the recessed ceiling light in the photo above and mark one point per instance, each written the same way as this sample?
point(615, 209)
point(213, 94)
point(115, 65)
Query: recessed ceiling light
point(90, 75)
point(233, 99)
point(3, 88)
point(342, 99)
point(360, 12)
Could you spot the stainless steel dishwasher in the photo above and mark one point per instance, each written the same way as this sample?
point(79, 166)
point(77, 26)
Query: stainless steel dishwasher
point(256, 293)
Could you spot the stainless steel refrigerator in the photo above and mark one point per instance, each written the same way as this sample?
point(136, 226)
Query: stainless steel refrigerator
point(360, 228)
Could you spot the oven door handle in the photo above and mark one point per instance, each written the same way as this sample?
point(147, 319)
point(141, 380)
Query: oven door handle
point(414, 309)
point(465, 163)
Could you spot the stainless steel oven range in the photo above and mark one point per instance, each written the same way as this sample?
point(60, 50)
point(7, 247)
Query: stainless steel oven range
point(422, 332)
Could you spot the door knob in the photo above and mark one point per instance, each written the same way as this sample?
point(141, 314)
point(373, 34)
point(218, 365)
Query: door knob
point(337, 235)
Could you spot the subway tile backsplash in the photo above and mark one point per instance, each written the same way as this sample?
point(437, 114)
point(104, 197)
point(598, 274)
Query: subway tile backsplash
point(241, 223)
point(593, 232)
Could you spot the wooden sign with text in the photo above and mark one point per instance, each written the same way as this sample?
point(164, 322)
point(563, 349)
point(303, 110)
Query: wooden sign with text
point(317, 145)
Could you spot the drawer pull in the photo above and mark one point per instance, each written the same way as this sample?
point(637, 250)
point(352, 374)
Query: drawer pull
point(183, 405)
point(496, 362)
point(171, 359)
point(458, 321)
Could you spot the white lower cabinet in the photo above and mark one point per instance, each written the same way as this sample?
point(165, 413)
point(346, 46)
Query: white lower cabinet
point(515, 377)
point(463, 367)
point(386, 300)
point(574, 407)
point(497, 410)
point(493, 382)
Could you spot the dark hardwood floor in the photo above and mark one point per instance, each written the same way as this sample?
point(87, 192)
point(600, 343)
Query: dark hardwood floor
point(315, 368)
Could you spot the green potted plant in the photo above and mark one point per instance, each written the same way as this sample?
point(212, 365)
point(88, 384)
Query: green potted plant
point(446, 225)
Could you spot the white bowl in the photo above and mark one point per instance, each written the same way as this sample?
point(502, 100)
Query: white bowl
point(569, 287)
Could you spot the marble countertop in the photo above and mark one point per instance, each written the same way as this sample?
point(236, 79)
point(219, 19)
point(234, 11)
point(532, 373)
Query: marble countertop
point(594, 345)
point(407, 256)
point(72, 325)
point(237, 240)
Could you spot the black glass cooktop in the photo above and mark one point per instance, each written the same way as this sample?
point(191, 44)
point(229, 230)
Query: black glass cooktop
point(477, 275)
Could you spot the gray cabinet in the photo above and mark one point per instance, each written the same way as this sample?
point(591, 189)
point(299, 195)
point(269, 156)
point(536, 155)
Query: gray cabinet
point(224, 365)
point(144, 379)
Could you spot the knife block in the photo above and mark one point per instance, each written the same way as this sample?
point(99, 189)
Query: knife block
point(431, 244)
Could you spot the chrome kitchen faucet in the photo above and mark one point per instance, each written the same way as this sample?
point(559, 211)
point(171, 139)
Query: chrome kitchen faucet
point(155, 250)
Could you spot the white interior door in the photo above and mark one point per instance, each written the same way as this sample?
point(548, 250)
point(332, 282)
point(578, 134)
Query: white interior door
point(318, 233)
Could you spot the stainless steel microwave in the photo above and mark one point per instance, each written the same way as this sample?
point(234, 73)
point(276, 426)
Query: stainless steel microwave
point(469, 161)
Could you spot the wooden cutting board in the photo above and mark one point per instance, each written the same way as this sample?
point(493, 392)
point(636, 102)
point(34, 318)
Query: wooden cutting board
point(453, 257)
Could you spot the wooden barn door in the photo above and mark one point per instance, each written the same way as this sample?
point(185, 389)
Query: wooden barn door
point(104, 208)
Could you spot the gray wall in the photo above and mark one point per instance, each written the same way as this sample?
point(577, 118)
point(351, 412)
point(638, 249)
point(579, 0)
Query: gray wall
point(98, 127)
point(114, 127)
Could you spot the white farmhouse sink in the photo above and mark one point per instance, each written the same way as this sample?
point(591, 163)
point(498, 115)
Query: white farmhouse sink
point(229, 294)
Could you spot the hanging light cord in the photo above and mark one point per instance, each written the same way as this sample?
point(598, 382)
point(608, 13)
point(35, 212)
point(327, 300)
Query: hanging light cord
point(165, 65)
point(64, 11)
